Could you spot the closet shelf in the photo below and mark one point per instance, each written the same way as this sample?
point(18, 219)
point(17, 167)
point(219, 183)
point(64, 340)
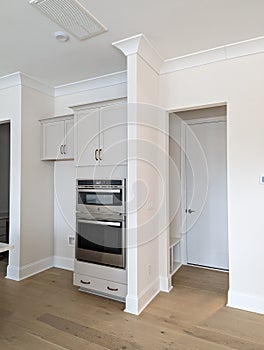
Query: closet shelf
point(4, 247)
point(174, 241)
point(175, 267)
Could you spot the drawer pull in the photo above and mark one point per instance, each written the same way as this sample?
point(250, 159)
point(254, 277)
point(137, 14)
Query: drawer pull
point(112, 289)
point(84, 282)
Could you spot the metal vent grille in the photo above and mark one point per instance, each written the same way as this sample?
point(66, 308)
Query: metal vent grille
point(70, 15)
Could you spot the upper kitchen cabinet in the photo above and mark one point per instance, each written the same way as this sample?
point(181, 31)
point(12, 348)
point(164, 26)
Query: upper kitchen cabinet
point(113, 134)
point(87, 143)
point(57, 138)
point(101, 134)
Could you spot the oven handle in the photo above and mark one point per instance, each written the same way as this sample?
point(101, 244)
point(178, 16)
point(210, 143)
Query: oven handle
point(103, 223)
point(98, 190)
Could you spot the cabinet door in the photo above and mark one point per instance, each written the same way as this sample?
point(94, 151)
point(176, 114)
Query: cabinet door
point(87, 137)
point(113, 135)
point(68, 142)
point(53, 140)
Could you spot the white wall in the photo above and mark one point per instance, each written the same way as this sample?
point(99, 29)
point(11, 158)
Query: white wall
point(4, 162)
point(146, 187)
point(152, 201)
point(36, 237)
point(239, 82)
point(31, 209)
point(175, 126)
point(64, 213)
point(10, 102)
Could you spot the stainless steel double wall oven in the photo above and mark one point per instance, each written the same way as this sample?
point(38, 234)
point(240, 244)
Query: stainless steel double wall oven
point(101, 222)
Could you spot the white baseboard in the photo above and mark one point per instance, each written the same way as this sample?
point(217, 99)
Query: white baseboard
point(165, 284)
point(135, 305)
point(12, 273)
point(26, 271)
point(63, 263)
point(132, 305)
point(246, 302)
point(17, 274)
point(148, 294)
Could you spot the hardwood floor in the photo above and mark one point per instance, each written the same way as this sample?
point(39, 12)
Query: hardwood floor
point(46, 312)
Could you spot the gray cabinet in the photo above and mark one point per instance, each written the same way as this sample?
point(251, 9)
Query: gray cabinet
point(3, 229)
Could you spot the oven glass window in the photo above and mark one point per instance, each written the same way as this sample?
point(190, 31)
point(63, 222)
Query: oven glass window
point(100, 238)
point(102, 198)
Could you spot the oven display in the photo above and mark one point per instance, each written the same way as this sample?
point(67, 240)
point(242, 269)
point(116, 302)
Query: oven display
point(100, 198)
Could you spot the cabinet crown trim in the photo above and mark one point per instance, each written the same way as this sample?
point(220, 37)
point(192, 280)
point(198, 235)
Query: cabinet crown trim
point(99, 104)
point(56, 118)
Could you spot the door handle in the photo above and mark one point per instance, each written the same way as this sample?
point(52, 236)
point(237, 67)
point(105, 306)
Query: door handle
point(96, 154)
point(100, 153)
point(97, 190)
point(61, 149)
point(190, 211)
point(103, 223)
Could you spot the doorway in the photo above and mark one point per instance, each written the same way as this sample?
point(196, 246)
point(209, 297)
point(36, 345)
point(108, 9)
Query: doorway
point(203, 214)
point(4, 191)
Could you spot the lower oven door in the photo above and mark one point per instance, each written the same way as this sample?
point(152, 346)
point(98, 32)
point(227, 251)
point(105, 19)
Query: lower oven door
point(101, 242)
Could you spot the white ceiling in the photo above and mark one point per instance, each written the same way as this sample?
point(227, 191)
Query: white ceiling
point(175, 28)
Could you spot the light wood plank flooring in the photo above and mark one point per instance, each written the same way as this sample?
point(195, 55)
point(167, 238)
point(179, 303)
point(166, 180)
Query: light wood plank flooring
point(46, 312)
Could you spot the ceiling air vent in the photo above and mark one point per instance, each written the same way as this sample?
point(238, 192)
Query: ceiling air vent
point(72, 16)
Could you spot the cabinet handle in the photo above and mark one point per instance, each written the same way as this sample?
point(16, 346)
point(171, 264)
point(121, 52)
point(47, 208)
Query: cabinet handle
point(61, 149)
point(96, 154)
point(100, 153)
point(112, 289)
point(64, 149)
point(84, 282)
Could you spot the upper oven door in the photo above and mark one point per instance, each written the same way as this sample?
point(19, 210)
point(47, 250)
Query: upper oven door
point(103, 199)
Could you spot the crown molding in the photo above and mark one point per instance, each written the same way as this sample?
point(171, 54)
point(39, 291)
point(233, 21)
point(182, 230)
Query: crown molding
point(10, 80)
point(193, 60)
point(28, 81)
point(91, 84)
point(243, 48)
point(129, 46)
point(18, 78)
point(140, 45)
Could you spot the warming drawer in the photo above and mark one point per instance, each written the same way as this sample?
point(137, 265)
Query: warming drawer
point(100, 286)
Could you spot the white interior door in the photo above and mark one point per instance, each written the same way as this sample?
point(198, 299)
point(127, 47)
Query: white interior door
point(206, 195)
